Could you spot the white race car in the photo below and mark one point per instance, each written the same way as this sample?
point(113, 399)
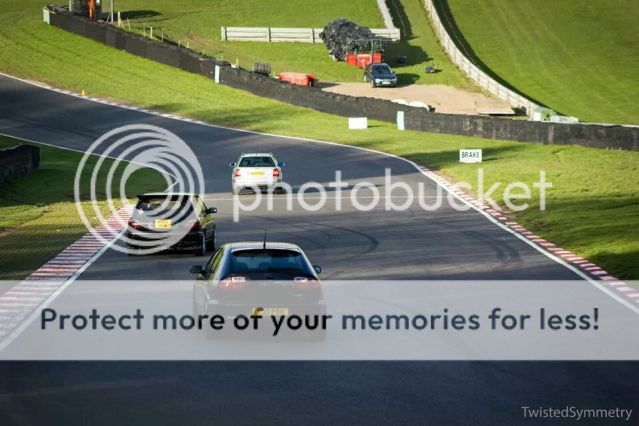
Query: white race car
point(256, 171)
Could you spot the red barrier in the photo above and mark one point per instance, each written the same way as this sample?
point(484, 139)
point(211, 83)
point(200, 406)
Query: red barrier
point(298, 78)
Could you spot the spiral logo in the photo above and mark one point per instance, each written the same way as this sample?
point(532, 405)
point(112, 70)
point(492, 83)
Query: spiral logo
point(158, 221)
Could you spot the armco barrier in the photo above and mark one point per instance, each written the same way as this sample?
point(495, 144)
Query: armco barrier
point(591, 135)
point(18, 161)
point(299, 35)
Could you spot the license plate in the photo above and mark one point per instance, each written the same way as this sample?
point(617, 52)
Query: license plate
point(163, 224)
point(272, 312)
point(260, 173)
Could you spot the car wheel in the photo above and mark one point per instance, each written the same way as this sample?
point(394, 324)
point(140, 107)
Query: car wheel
point(316, 335)
point(202, 247)
point(210, 246)
point(196, 310)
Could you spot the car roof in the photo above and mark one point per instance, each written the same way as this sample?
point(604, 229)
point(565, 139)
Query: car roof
point(270, 245)
point(256, 154)
point(166, 194)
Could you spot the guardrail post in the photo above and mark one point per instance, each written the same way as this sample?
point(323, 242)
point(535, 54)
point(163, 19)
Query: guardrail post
point(223, 36)
point(268, 34)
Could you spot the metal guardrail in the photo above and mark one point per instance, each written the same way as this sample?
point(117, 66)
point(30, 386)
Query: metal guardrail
point(300, 35)
point(471, 70)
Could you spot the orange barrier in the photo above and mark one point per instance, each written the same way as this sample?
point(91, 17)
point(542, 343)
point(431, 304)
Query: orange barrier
point(298, 78)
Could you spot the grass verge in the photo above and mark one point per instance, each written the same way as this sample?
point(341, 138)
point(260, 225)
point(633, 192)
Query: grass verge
point(593, 208)
point(579, 58)
point(38, 215)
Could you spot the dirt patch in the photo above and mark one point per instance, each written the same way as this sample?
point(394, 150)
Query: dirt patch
point(445, 99)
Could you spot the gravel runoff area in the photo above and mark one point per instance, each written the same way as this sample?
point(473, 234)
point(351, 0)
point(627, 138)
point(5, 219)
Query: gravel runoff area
point(445, 99)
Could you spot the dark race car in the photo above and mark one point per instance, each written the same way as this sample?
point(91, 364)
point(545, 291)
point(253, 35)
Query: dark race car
point(163, 221)
point(263, 279)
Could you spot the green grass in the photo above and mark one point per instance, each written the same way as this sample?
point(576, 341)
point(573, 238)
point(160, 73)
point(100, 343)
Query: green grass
point(198, 24)
point(577, 57)
point(593, 208)
point(38, 215)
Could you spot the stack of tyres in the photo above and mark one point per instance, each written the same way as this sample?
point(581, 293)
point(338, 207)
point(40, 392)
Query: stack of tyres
point(261, 68)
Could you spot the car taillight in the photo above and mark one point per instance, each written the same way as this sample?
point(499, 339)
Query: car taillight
point(276, 173)
point(237, 173)
point(134, 224)
point(232, 283)
point(192, 223)
point(305, 282)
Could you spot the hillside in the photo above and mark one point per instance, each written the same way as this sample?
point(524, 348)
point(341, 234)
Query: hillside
point(579, 58)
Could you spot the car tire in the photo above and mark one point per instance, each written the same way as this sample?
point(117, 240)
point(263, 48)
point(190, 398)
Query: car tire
point(316, 335)
point(201, 249)
point(196, 311)
point(210, 245)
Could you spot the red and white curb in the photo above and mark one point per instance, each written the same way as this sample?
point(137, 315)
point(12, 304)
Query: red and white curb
point(44, 284)
point(578, 262)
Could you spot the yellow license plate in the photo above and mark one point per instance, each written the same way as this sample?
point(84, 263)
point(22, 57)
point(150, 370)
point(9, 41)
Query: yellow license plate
point(260, 173)
point(273, 312)
point(163, 224)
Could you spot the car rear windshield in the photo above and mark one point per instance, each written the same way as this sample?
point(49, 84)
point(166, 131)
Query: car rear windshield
point(159, 205)
point(259, 261)
point(257, 162)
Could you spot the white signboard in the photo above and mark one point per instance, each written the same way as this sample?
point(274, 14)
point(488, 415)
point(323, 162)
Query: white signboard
point(400, 120)
point(470, 155)
point(357, 123)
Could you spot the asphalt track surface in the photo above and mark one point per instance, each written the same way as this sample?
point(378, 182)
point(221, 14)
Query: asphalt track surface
point(348, 244)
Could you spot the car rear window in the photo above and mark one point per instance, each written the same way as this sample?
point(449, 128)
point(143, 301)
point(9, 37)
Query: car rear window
point(247, 261)
point(156, 206)
point(257, 162)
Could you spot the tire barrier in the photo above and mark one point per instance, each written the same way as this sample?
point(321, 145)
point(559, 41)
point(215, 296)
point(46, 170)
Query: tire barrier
point(415, 118)
point(343, 35)
point(18, 161)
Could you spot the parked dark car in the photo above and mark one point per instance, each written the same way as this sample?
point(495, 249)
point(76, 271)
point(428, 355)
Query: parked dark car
point(171, 221)
point(380, 75)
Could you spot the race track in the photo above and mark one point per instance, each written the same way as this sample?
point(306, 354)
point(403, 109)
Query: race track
point(446, 244)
